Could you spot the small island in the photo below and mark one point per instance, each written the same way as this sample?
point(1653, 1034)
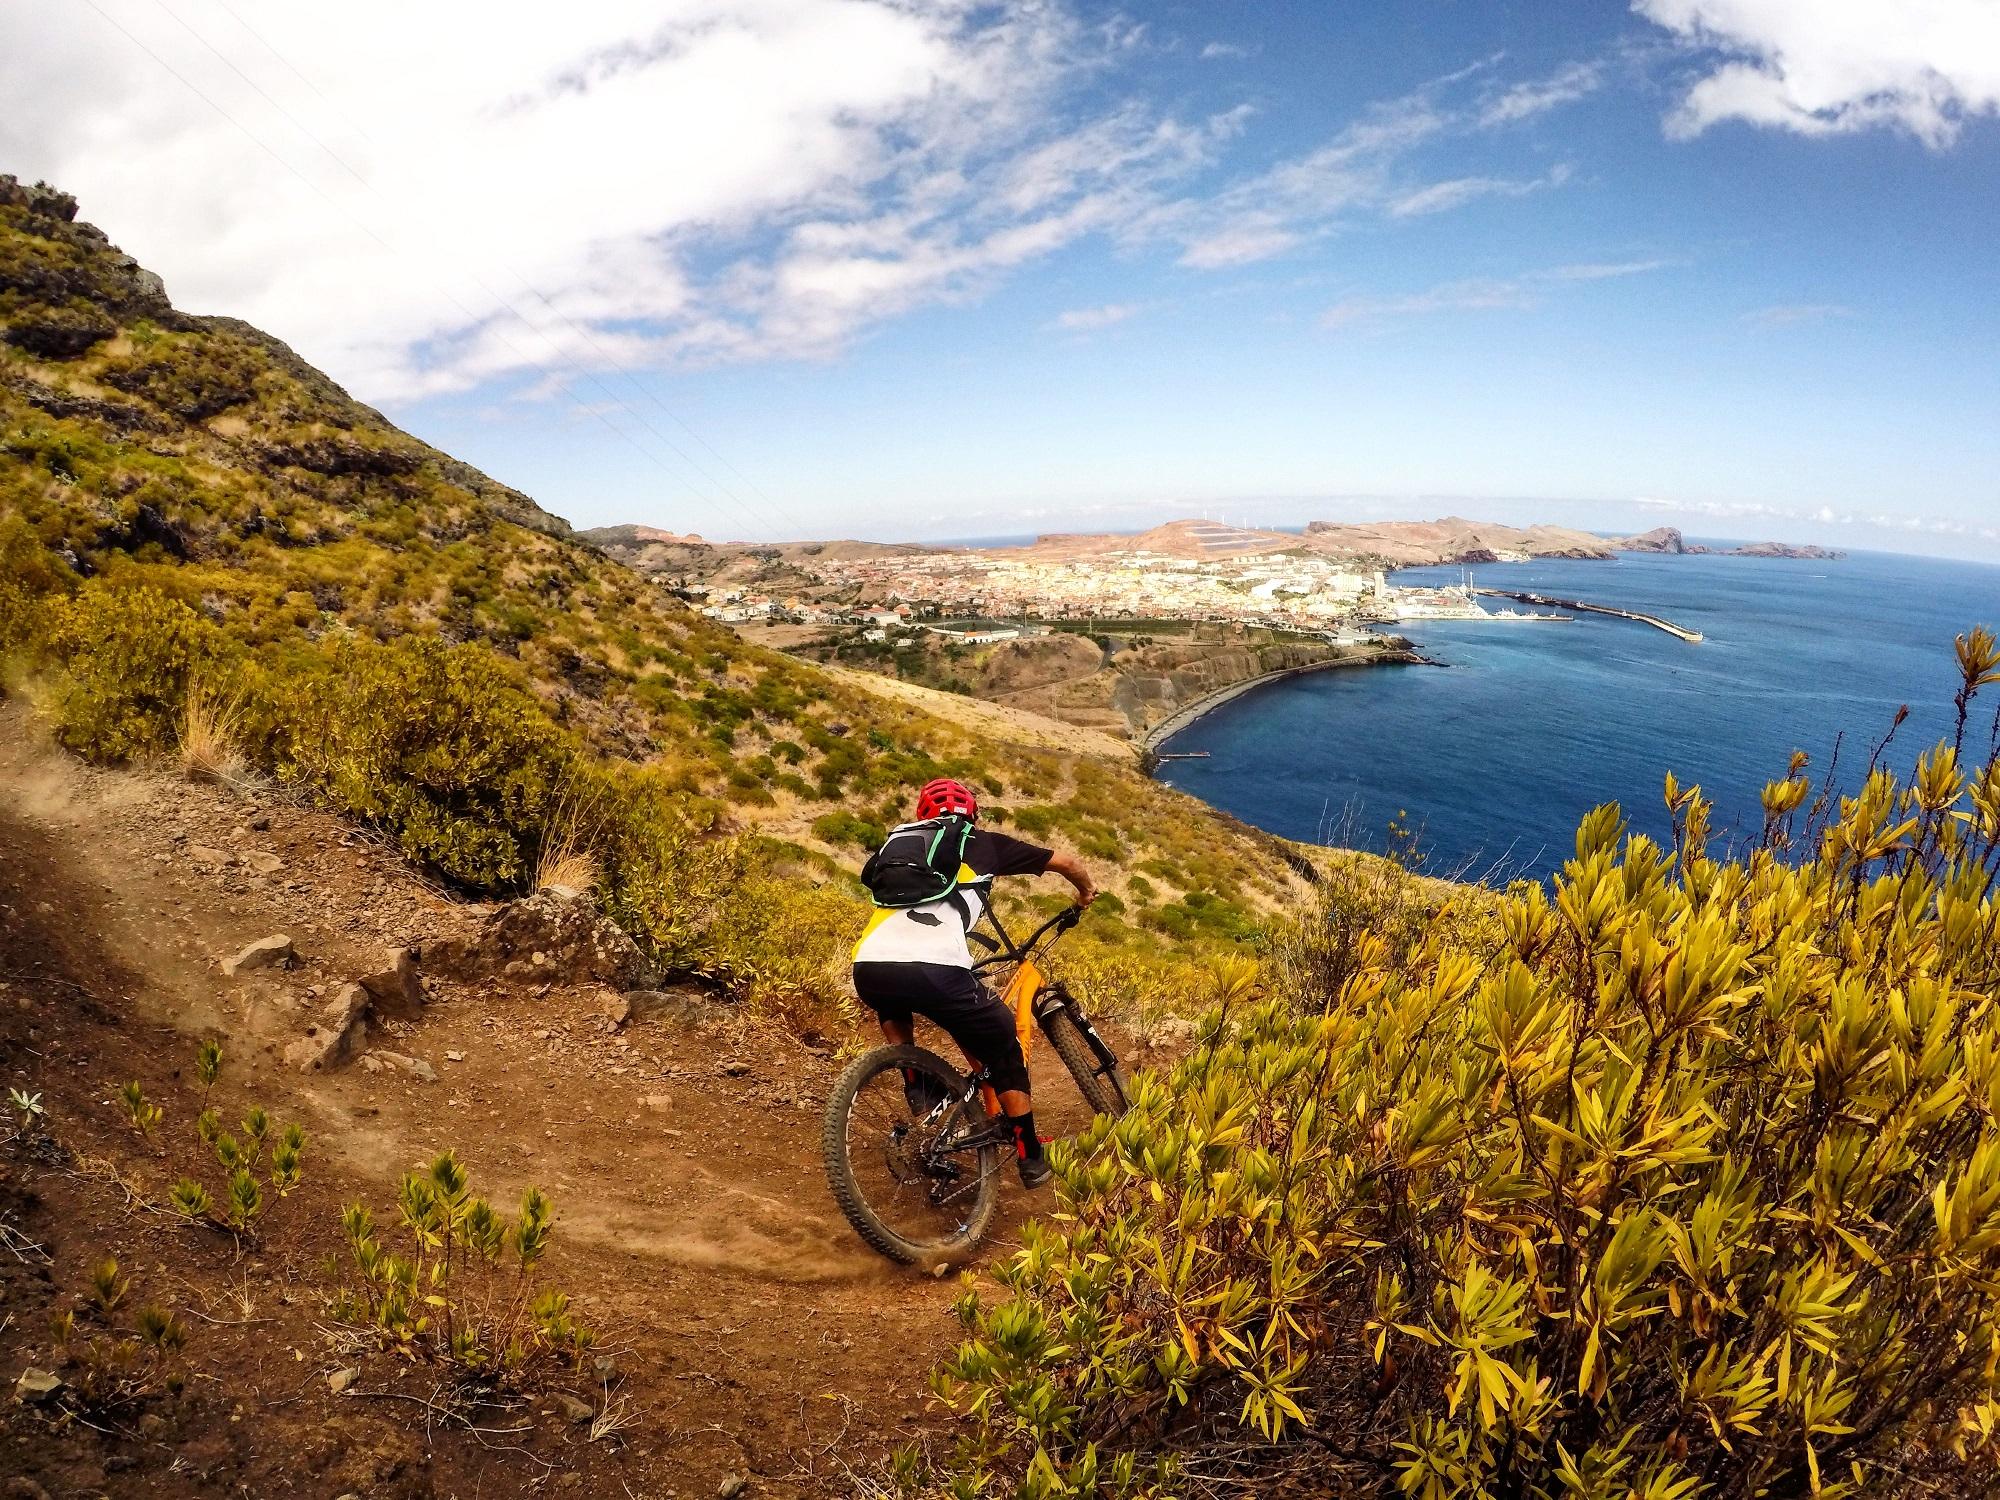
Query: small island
point(1668, 540)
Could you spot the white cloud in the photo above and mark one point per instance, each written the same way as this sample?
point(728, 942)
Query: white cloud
point(1526, 100)
point(1789, 313)
point(1603, 270)
point(1363, 169)
point(1082, 319)
point(1476, 295)
point(1825, 66)
point(423, 204)
point(1239, 244)
point(1454, 296)
point(1216, 50)
point(1281, 207)
point(1826, 515)
point(1457, 191)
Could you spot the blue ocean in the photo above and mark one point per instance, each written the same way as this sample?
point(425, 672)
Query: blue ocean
point(1492, 757)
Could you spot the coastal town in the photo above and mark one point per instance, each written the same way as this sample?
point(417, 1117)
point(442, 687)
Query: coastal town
point(1330, 581)
point(982, 597)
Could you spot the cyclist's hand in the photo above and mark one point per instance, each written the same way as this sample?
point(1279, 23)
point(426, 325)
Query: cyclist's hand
point(1087, 894)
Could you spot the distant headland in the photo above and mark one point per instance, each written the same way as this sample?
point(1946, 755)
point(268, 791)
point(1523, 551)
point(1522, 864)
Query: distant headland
point(1668, 539)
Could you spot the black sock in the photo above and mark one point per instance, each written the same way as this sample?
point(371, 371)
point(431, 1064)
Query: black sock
point(1027, 1144)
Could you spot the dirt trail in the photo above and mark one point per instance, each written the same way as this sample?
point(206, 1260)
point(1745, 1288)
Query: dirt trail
point(756, 1335)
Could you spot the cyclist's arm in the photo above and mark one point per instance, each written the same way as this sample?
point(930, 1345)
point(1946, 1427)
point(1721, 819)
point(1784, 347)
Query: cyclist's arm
point(1071, 869)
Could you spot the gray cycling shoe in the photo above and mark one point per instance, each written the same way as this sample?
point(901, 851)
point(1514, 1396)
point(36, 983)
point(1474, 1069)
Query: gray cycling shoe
point(1036, 1171)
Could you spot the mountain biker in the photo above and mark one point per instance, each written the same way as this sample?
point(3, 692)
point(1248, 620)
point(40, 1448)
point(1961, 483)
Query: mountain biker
point(915, 961)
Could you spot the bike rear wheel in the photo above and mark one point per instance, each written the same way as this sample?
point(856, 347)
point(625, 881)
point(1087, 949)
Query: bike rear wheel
point(913, 1166)
point(1097, 1077)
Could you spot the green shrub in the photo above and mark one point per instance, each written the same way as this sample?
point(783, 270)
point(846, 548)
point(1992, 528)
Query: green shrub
point(670, 868)
point(195, 379)
point(1684, 1182)
point(467, 1289)
point(436, 744)
point(125, 659)
point(844, 827)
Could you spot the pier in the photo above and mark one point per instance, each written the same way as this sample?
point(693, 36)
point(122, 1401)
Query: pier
point(1679, 632)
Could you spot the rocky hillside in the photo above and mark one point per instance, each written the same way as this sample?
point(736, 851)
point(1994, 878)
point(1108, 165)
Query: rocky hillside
point(1417, 544)
point(209, 547)
point(1124, 684)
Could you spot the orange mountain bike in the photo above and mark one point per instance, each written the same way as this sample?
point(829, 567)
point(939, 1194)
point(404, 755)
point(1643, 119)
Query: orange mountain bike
point(914, 1147)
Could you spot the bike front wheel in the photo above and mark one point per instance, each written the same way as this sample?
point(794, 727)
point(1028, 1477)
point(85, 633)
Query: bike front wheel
point(911, 1160)
point(1093, 1067)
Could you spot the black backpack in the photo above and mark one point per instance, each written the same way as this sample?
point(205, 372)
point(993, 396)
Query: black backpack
point(918, 862)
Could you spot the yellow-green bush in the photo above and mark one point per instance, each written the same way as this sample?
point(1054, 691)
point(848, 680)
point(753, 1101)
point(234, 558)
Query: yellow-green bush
point(1685, 1183)
point(438, 744)
point(125, 658)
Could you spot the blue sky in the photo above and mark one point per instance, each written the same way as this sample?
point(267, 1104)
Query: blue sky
point(808, 267)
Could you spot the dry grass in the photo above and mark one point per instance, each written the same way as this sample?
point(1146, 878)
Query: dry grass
point(209, 735)
point(567, 865)
point(574, 826)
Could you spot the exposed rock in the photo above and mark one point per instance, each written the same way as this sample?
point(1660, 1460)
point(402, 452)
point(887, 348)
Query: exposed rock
point(1666, 539)
point(341, 1379)
point(349, 1004)
point(202, 854)
point(57, 332)
point(274, 952)
point(398, 989)
point(566, 934)
point(340, 454)
point(416, 1067)
point(1788, 550)
point(680, 1006)
point(36, 1387)
point(21, 1487)
point(732, 1485)
point(323, 1047)
point(577, 1411)
point(120, 416)
point(263, 861)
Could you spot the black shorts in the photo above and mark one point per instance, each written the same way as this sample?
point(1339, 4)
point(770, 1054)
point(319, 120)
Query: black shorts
point(955, 999)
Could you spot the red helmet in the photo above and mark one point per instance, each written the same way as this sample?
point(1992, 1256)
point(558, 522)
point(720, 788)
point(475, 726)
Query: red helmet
point(946, 796)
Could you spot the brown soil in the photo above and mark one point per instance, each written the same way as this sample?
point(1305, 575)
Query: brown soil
point(1005, 723)
point(753, 1334)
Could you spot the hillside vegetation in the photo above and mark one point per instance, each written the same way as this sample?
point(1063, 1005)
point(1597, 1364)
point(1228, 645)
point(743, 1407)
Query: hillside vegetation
point(1680, 1181)
point(207, 549)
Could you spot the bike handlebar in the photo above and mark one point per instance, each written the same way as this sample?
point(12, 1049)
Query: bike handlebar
point(1060, 923)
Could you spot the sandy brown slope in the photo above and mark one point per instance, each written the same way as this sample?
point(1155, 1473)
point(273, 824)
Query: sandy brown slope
point(754, 1335)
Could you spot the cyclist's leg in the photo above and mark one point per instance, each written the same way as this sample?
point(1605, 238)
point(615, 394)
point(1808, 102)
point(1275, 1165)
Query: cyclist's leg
point(981, 1024)
point(886, 992)
point(877, 989)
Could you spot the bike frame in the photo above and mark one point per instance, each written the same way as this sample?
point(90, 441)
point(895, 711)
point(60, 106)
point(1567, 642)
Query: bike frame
point(1025, 985)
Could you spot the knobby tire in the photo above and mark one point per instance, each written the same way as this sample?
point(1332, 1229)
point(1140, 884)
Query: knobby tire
point(848, 1190)
point(1104, 1092)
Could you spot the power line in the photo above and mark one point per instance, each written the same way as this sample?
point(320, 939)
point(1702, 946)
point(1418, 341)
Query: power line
point(575, 364)
point(346, 119)
point(260, 143)
point(774, 511)
point(472, 318)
